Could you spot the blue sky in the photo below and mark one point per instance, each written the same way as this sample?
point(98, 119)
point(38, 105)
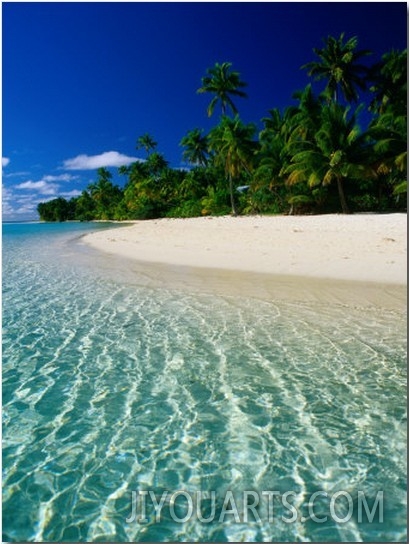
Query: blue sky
point(82, 81)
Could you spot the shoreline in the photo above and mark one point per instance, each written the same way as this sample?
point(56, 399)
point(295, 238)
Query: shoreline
point(356, 247)
point(261, 286)
point(356, 260)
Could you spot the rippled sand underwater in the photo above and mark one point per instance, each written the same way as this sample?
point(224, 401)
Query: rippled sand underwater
point(111, 388)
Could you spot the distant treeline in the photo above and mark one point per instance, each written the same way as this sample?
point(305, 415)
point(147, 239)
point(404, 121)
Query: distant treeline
point(308, 158)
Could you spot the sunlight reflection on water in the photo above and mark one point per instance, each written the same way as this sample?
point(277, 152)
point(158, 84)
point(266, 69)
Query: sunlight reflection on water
point(111, 387)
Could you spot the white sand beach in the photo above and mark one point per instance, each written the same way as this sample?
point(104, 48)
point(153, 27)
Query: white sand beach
point(364, 247)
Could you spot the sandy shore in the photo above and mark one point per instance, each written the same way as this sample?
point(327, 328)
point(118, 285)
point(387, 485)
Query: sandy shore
point(364, 247)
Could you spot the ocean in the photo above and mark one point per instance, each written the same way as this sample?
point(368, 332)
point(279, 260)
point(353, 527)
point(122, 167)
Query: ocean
point(137, 412)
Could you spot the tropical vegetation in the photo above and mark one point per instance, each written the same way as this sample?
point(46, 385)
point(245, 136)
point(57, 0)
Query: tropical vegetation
point(311, 157)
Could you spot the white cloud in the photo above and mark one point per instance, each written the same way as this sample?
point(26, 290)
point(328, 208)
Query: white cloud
point(22, 198)
point(69, 194)
point(43, 187)
point(6, 197)
point(5, 161)
point(15, 174)
point(61, 177)
point(16, 206)
point(19, 201)
point(92, 162)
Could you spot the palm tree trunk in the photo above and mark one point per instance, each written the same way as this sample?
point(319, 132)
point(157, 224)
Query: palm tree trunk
point(233, 203)
point(342, 198)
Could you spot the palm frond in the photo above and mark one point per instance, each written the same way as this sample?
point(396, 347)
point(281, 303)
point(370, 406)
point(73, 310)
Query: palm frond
point(401, 188)
point(314, 179)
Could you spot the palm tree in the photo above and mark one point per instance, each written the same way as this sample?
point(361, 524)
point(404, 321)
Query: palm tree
point(391, 140)
point(156, 164)
point(389, 128)
point(389, 78)
point(223, 83)
point(105, 194)
point(267, 187)
point(390, 149)
point(339, 65)
point(338, 152)
point(281, 131)
point(277, 124)
point(306, 119)
point(146, 142)
point(196, 147)
point(274, 136)
point(85, 207)
point(232, 141)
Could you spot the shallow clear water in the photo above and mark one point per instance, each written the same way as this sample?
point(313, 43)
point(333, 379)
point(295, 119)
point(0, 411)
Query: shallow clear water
point(111, 388)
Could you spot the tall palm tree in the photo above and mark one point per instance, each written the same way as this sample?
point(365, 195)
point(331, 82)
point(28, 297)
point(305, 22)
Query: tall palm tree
point(389, 83)
point(390, 149)
point(272, 155)
point(232, 142)
point(337, 153)
point(223, 83)
point(389, 127)
point(306, 119)
point(156, 164)
point(277, 124)
point(196, 147)
point(147, 143)
point(339, 65)
point(281, 131)
point(389, 132)
point(105, 194)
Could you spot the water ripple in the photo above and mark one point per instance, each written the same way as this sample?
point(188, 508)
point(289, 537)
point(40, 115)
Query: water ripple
point(109, 389)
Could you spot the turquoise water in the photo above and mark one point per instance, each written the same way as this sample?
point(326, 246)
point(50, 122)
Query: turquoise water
point(112, 388)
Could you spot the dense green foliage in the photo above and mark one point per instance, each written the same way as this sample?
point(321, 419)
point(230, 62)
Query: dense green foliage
point(310, 158)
